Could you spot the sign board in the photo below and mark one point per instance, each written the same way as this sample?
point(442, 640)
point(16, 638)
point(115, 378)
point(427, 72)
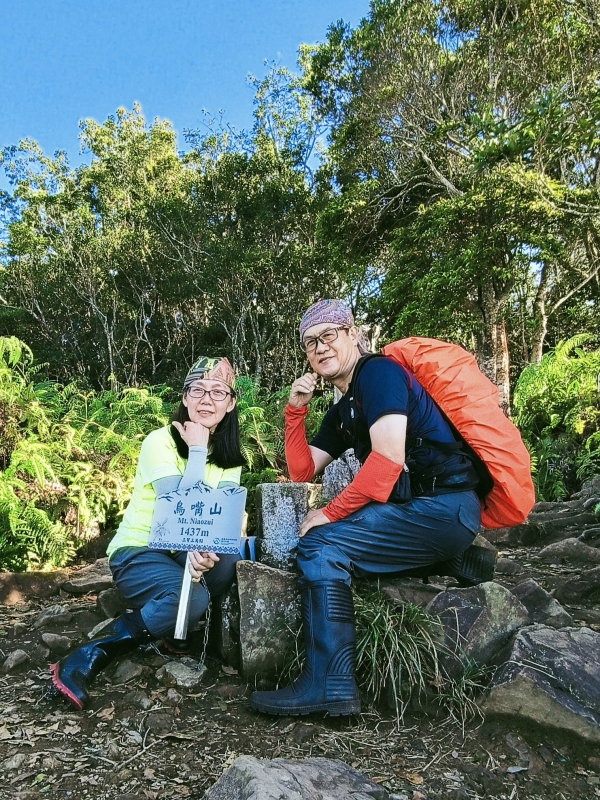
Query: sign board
point(199, 518)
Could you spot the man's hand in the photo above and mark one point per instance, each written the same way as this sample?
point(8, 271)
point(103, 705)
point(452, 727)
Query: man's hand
point(201, 563)
point(313, 519)
point(302, 390)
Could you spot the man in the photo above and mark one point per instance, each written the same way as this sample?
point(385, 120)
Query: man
point(389, 519)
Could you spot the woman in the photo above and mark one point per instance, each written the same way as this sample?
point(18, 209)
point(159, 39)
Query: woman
point(202, 443)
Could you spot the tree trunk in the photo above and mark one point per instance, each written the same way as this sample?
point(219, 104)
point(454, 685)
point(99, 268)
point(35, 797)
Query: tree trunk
point(540, 317)
point(492, 347)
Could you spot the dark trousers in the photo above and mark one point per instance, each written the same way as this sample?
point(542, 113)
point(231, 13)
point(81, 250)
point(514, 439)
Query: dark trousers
point(151, 581)
point(384, 538)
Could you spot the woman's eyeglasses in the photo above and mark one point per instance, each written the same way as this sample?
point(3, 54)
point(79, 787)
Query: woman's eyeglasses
point(218, 395)
point(309, 345)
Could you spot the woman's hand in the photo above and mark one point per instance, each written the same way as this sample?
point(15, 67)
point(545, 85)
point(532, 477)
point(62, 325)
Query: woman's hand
point(302, 390)
point(313, 519)
point(199, 563)
point(194, 434)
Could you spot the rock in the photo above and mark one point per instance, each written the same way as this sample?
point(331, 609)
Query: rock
point(14, 762)
point(554, 506)
point(225, 626)
point(39, 653)
point(58, 644)
point(97, 629)
point(127, 671)
point(589, 489)
point(482, 541)
point(14, 660)
point(159, 723)
point(339, 474)
point(269, 617)
point(92, 579)
point(542, 607)
point(553, 679)
point(570, 550)
point(111, 603)
point(581, 588)
point(506, 566)
point(410, 590)
point(550, 527)
point(311, 779)
point(281, 507)
point(53, 615)
point(479, 620)
point(138, 699)
point(173, 697)
point(177, 674)
point(591, 535)
point(17, 630)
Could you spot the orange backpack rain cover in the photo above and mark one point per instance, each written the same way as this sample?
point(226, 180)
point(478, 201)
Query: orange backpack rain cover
point(452, 378)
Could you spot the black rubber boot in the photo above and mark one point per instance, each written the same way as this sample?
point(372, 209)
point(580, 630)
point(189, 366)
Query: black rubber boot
point(73, 674)
point(476, 565)
point(327, 681)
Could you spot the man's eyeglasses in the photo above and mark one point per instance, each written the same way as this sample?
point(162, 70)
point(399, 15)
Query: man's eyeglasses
point(309, 345)
point(218, 395)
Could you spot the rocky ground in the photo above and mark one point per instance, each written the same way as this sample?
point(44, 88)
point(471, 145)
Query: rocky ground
point(146, 735)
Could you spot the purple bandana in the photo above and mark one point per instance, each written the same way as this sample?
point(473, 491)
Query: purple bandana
point(333, 311)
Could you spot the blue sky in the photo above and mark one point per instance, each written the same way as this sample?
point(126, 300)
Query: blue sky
point(62, 61)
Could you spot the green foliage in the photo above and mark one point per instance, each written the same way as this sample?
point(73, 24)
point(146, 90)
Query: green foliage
point(556, 408)
point(68, 459)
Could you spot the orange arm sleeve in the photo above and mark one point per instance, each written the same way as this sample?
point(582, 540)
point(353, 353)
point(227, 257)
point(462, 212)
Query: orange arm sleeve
point(375, 481)
point(299, 459)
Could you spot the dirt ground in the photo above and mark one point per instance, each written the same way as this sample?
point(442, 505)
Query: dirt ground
point(139, 739)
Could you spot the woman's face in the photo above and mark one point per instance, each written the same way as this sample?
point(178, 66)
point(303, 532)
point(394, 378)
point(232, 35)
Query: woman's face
point(208, 410)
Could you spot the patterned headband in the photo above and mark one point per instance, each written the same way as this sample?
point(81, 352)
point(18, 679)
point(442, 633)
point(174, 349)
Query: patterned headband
point(212, 369)
point(333, 311)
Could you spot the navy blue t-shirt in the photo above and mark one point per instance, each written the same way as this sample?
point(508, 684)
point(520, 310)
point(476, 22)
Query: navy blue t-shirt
point(384, 387)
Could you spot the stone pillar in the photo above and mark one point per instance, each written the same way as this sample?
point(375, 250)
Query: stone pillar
point(269, 618)
point(281, 507)
point(339, 474)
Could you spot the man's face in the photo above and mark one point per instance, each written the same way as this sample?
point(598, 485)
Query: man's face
point(332, 358)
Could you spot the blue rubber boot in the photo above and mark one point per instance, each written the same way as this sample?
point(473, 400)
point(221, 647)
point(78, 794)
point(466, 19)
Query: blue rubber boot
point(73, 674)
point(327, 680)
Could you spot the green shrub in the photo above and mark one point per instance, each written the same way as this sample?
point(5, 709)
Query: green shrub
point(556, 409)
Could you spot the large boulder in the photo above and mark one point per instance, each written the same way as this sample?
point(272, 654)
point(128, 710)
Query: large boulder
point(269, 617)
point(312, 779)
point(551, 678)
point(479, 621)
point(281, 507)
point(93, 579)
point(542, 607)
point(582, 588)
point(570, 551)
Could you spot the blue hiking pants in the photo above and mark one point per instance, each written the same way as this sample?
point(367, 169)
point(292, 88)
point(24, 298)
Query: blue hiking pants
point(151, 581)
point(384, 538)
